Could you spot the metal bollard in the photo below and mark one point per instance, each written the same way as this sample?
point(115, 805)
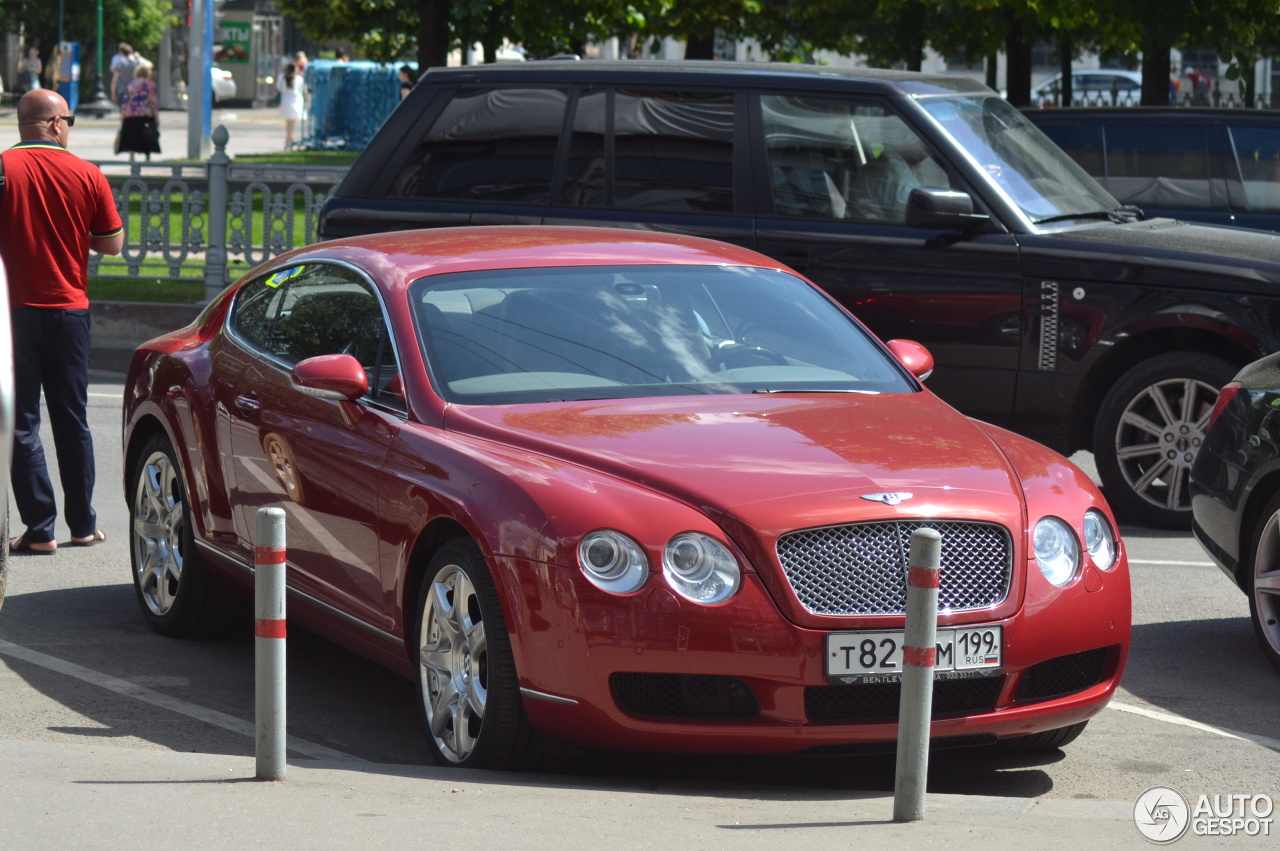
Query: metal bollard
point(919, 650)
point(269, 645)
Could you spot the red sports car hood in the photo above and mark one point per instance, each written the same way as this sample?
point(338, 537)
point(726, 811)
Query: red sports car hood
point(794, 460)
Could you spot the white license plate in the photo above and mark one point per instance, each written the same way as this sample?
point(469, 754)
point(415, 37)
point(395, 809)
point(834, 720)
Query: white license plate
point(963, 651)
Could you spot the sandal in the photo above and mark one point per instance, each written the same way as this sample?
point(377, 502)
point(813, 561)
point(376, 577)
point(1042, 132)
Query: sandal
point(22, 546)
point(97, 536)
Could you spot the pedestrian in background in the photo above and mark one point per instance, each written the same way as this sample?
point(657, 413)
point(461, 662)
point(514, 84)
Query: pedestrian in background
point(32, 68)
point(291, 102)
point(140, 108)
point(56, 207)
point(408, 77)
point(123, 65)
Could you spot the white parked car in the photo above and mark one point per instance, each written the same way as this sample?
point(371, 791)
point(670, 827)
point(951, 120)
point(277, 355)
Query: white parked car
point(1095, 87)
point(224, 85)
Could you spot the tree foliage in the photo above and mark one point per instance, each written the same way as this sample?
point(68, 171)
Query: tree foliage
point(141, 23)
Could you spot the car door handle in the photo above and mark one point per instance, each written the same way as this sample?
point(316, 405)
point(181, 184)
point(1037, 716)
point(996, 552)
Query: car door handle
point(248, 405)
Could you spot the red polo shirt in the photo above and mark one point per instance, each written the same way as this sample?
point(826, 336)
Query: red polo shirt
point(54, 203)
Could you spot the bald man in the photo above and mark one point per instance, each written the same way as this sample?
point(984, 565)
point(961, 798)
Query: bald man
point(56, 207)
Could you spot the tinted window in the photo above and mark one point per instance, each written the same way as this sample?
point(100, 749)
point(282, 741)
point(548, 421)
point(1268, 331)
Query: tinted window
point(1082, 142)
point(654, 151)
point(489, 145)
point(832, 158)
point(305, 311)
point(1258, 155)
point(1163, 164)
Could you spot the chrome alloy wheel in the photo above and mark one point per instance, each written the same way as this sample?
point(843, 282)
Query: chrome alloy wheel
point(453, 658)
point(1158, 436)
point(1266, 585)
point(158, 526)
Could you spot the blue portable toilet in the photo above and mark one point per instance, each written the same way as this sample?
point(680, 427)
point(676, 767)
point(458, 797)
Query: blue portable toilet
point(69, 72)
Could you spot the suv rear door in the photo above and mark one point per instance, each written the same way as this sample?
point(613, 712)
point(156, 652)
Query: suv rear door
point(671, 159)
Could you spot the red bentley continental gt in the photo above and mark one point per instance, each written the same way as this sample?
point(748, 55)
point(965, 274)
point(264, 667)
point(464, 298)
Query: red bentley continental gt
point(629, 490)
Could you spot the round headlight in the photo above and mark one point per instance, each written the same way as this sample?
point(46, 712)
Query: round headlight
point(700, 568)
point(1099, 540)
point(613, 562)
point(1056, 549)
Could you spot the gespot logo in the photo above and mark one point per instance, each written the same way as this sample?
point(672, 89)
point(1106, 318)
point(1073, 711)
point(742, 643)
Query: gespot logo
point(1162, 815)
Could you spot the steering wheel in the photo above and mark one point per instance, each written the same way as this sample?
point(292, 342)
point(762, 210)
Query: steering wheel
point(741, 355)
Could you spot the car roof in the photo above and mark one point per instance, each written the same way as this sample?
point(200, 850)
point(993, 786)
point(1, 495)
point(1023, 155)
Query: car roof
point(405, 256)
point(762, 74)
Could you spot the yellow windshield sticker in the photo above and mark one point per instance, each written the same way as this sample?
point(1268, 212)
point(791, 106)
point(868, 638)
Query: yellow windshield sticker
point(283, 275)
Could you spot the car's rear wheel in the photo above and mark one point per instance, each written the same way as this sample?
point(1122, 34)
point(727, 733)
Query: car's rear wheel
point(1149, 429)
point(1263, 580)
point(1047, 741)
point(466, 672)
point(177, 595)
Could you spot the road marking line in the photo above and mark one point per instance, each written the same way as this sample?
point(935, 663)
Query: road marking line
point(1171, 563)
point(164, 701)
point(1274, 744)
point(108, 395)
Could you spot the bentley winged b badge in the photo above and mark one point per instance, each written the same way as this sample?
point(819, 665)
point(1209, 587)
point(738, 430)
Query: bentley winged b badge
point(888, 498)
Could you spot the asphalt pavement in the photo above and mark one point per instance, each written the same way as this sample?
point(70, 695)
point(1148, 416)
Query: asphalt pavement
point(252, 131)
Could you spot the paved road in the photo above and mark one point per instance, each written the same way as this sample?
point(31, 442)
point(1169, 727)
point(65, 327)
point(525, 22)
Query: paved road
point(99, 715)
point(253, 131)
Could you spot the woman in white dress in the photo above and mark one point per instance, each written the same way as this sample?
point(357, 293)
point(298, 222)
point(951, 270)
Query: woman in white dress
point(291, 102)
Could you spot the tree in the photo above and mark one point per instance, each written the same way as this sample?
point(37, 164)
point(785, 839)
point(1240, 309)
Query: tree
point(141, 23)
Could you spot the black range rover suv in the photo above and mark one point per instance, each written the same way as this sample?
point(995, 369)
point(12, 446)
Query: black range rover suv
point(925, 204)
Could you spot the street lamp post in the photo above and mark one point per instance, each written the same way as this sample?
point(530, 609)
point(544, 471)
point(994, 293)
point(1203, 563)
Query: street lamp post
point(99, 105)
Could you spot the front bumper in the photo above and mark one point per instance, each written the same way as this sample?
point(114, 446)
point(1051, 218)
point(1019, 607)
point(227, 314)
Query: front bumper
point(580, 652)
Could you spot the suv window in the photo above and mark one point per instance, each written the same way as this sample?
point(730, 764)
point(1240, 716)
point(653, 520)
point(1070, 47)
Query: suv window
point(1257, 151)
point(1163, 165)
point(833, 158)
point(659, 151)
point(488, 145)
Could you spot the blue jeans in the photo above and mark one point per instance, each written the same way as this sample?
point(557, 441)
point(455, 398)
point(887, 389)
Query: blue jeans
point(51, 353)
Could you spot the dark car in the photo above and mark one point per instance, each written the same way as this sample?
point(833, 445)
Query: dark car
point(1218, 166)
point(924, 203)
point(1235, 487)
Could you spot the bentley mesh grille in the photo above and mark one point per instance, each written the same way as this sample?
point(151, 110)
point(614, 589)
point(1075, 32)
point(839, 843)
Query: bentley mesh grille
point(861, 568)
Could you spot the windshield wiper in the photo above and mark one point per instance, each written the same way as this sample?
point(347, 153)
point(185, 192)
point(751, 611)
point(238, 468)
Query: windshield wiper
point(1120, 215)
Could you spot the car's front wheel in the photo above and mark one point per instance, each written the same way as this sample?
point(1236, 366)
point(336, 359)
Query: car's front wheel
point(1263, 580)
point(1149, 429)
point(177, 595)
point(466, 672)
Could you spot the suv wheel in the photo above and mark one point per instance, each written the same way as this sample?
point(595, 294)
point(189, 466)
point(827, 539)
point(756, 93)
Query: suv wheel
point(1149, 429)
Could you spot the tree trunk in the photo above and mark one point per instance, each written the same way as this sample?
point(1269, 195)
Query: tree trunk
point(1065, 50)
point(697, 46)
point(1155, 68)
point(433, 33)
point(1018, 72)
point(993, 68)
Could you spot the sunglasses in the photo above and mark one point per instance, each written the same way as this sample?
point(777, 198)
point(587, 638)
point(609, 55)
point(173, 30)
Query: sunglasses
point(70, 119)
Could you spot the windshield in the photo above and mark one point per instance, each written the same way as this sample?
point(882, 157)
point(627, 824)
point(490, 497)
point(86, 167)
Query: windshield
point(1030, 169)
point(612, 332)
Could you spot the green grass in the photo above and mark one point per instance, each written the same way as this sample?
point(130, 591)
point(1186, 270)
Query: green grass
point(287, 158)
point(166, 290)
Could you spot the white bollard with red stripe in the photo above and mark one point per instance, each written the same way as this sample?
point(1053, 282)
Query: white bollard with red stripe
point(269, 645)
point(919, 652)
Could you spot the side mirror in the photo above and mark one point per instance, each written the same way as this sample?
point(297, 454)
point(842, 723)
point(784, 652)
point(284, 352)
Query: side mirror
point(913, 356)
point(331, 377)
point(942, 209)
